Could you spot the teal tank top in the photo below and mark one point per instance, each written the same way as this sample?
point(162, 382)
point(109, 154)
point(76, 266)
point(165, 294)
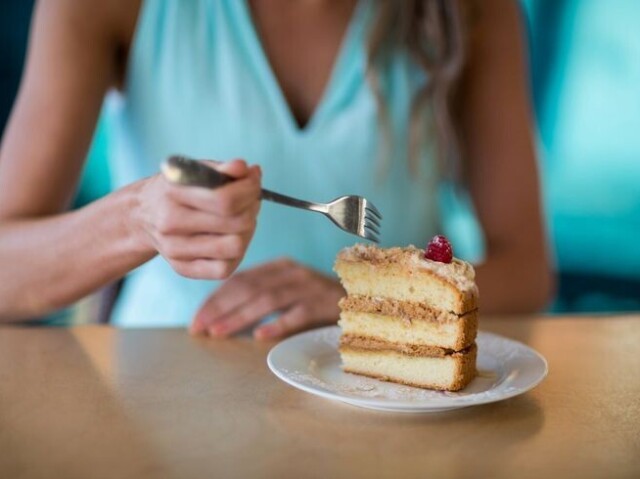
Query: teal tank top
point(199, 83)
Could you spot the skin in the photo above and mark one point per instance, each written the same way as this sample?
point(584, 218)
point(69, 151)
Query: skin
point(78, 50)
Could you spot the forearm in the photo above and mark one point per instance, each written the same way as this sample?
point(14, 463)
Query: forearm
point(48, 263)
point(510, 284)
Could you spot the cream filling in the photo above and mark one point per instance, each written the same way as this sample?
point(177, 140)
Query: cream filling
point(408, 311)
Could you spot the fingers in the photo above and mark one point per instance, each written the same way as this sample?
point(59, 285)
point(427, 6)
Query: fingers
point(306, 297)
point(206, 246)
point(237, 168)
point(243, 288)
point(203, 233)
point(226, 201)
point(296, 319)
point(187, 221)
point(205, 269)
point(269, 301)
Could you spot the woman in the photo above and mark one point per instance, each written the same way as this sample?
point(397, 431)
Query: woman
point(316, 95)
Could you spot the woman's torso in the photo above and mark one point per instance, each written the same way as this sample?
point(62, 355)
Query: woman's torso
point(199, 83)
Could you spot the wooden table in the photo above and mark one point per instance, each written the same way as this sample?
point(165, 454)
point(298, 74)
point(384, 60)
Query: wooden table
point(99, 402)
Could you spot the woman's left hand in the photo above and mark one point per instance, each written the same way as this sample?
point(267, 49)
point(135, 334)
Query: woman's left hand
point(303, 297)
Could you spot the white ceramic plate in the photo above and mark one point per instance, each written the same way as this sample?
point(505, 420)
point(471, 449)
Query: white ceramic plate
point(310, 361)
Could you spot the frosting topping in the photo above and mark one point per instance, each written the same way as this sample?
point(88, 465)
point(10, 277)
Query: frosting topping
point(458, 272)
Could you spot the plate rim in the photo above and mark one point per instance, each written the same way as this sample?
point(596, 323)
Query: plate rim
point(444, 403)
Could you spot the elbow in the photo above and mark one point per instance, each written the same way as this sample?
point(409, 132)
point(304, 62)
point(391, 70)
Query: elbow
point(532, 292)
point(539, 290)
point(19, 308)
point(544, 291)
point(12, 315)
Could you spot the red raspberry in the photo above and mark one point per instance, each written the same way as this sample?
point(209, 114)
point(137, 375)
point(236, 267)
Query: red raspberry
point(439, 249)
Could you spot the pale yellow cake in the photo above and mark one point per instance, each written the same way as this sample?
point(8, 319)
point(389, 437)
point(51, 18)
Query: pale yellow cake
point(408, 319)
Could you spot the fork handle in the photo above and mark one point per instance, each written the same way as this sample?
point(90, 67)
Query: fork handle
point(294, 202)
point(186, 171)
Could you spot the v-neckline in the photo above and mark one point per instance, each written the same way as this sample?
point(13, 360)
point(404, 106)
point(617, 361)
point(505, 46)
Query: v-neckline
point(331, 88)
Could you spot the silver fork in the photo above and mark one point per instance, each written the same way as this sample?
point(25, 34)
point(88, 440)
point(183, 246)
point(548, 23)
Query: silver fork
point(354, 214)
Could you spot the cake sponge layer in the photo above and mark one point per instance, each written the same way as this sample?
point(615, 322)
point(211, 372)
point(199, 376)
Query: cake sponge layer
point(406, 310)
point(455, 335)
point(397, 282)
point(448, 373)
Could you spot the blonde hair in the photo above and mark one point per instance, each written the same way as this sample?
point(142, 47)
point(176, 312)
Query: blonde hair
point(431, 32)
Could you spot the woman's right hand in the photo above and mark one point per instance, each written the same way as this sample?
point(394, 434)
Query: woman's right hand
point(202, 233)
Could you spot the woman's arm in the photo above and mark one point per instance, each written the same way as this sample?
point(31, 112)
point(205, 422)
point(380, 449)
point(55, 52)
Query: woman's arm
point(501, 166)
point(70, 65)
point(50, 258)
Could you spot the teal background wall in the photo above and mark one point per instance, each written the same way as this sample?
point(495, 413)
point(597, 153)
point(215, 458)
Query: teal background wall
point(585, 61)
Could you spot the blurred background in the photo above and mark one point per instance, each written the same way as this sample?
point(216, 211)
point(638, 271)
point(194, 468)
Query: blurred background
point(585, 87)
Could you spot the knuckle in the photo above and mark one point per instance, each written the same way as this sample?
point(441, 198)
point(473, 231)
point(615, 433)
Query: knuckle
point(247, 222)
point(303, 310)
point(235, 246)
point(203, 269)
point(256, 188)
point(226, 205)
point(315, 284)
point(229, 267)
point(222, 248)
point(255, 209)
point(300, 273)
point(166, 223)
point(240, 282)
point(241, 289)
point(277, 297)
point(170, 248)
point(311, 290)
point(181, 268)
point(287, 322)
point(171, 192)
point(238, 320)
point(216, 272)
point(252, 283)
point(267, 302)
point(221, 269)
point(245, 290)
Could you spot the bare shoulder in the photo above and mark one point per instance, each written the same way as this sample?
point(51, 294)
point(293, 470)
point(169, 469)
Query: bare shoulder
point(76, 52)
point(103, 24)
point(110, 17)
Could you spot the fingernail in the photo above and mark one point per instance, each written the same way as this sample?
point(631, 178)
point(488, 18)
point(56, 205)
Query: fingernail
point(196, 328)
point(217, 330)
point(265, 332)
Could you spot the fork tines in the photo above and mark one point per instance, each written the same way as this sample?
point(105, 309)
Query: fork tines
point(371, 221)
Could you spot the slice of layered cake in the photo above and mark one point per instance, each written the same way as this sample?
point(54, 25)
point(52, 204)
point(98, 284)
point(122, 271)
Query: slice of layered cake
point(409, 317)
